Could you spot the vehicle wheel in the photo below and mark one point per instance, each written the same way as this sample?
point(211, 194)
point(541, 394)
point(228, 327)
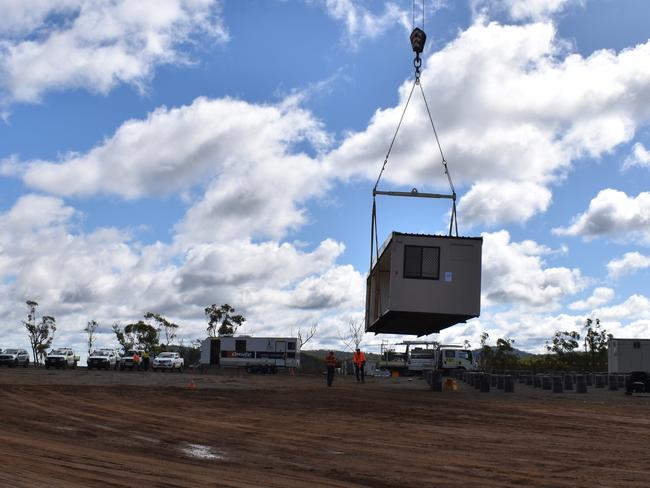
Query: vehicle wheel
point(180, 370)
point(26, 364)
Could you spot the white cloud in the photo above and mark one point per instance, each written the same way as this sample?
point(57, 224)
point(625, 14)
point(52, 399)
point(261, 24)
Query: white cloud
point(511, 105)
point(497, 202)
point(614, 214)
point(20, 17)
point(636, 307)
point(360, 23)
point(631, 262)
point(515, 273)
point(98, 44)
point(243, 155)
point(105, 275)
point(640, 157)
point(523, 9)
point(600, 296)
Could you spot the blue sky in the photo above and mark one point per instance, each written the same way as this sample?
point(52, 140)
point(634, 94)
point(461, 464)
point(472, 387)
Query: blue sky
point(166, 155)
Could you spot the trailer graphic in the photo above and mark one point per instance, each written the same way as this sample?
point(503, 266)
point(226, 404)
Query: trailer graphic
point(251, 352)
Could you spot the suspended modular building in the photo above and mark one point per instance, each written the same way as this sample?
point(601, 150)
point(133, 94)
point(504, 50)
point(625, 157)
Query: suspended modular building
point(420, 284)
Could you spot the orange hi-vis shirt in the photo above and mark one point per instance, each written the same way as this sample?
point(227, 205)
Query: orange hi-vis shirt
point(330, 360)
point(359, 358)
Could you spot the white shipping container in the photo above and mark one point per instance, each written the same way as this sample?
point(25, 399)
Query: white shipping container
point(627, 355)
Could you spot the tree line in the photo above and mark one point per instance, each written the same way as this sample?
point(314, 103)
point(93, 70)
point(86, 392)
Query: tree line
point(565, 351)
point(153, 333)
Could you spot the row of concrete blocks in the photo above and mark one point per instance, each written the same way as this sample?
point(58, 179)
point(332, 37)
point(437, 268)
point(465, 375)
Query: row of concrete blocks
point(558, 383)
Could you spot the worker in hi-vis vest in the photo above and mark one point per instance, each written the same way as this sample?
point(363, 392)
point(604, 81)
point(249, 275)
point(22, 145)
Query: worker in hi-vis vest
point(359, 359)
point(330, 363)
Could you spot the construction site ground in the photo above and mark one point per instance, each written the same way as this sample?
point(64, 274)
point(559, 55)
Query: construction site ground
point(135, 429)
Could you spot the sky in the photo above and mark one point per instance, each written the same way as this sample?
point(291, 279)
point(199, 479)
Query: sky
point(165, 155)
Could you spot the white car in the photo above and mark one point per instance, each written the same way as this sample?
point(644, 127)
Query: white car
point(103, 359)
point(14, 357)
point(169, 361)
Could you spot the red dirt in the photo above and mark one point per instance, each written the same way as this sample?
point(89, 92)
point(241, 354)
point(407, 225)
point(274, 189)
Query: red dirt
point(80, 428)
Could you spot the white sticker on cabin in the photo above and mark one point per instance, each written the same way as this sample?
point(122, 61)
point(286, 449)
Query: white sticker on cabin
point(448, 276)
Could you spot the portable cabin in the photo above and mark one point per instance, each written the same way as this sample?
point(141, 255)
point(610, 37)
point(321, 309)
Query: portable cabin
point(420, 284)
point(627, 355)
point(244, 351)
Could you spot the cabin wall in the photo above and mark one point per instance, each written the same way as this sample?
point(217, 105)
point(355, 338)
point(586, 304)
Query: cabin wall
point(378, 288)
point(457, 289)
point(627, 355)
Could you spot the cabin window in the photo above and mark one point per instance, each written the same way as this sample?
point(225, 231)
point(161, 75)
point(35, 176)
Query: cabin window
point(291, 346)
point(450, 354)
point(240, 346)
point(636, 344)
point(422, 262)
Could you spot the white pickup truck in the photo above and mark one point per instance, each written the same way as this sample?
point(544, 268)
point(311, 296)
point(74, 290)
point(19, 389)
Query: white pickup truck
point(62, 357)
point(103, 359)
point(132, 360)
point(171, 361)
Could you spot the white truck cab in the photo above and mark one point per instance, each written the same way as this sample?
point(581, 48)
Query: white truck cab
point(455, 357)
point(62, 357)
point(103, 359)
point(132, 359)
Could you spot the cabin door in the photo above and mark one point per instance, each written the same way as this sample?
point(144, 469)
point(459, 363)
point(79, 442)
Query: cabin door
point(215, 351)
point(281, 353)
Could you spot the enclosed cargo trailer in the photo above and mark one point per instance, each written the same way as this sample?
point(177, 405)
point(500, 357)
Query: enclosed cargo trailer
point(247, 351)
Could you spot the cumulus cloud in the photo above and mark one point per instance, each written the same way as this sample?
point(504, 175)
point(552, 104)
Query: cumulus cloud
point(640, 157)
point(107, 276)
point(631, 262)
point(511, 105)
point(493, 202)
point(243, 156)
point(614, 214)
point(600, 296)
point(521, 10)
point(636, 307)
point(98, 44)
point(361, 23)
point(19, 17)
point(515, 273)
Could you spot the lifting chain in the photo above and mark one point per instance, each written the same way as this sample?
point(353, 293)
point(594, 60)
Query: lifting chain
point(418, 40)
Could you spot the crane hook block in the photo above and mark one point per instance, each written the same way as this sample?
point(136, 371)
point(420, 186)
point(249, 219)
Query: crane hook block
point(418, 39)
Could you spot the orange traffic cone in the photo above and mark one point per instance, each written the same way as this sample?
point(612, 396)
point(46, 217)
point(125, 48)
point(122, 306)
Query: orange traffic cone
point(191, 385)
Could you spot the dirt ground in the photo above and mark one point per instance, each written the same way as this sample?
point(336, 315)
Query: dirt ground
point(81, 428)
